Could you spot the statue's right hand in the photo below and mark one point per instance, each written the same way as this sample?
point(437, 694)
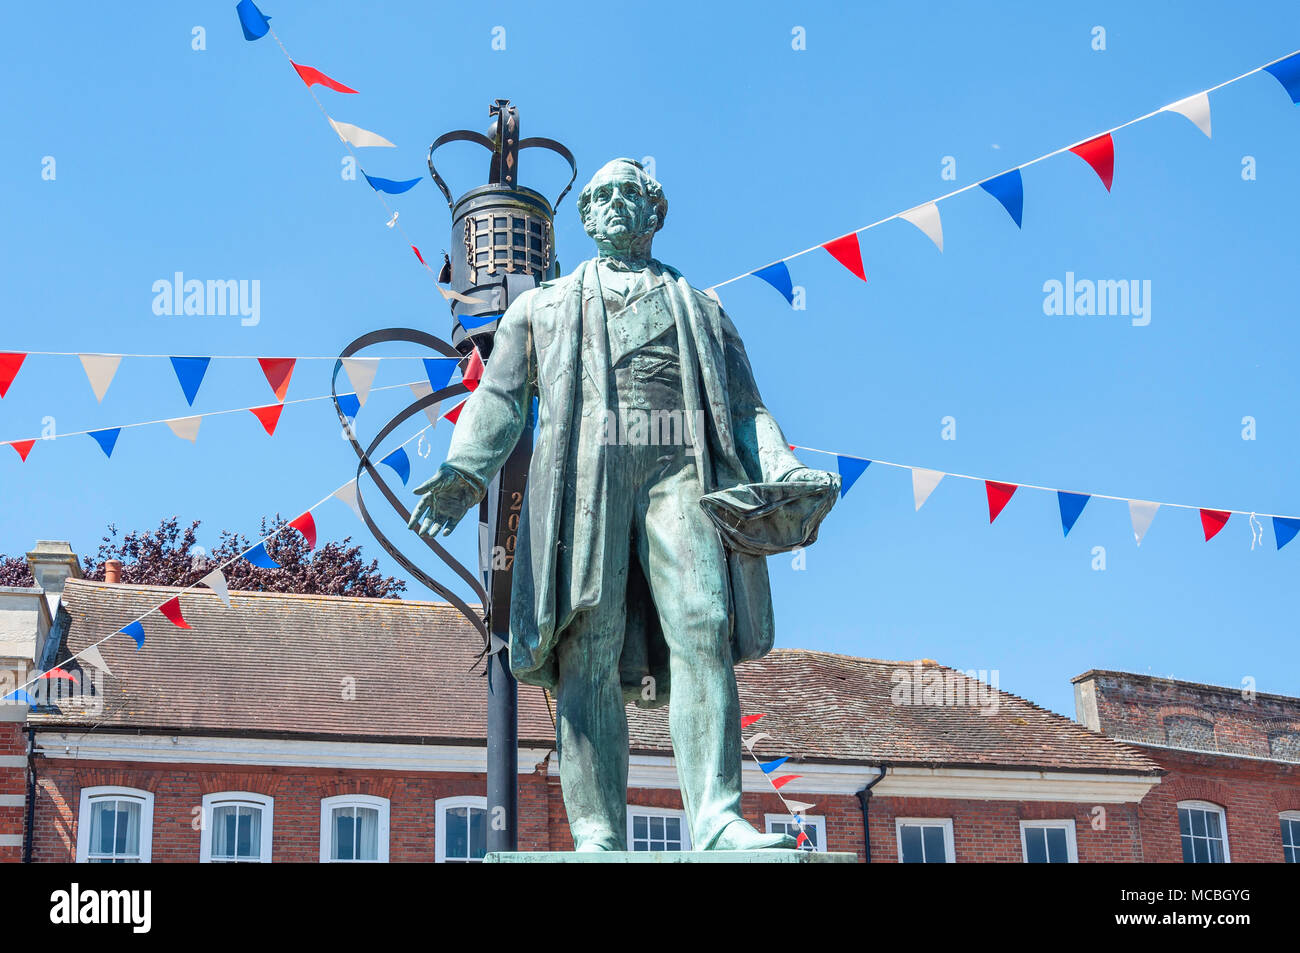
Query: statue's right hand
point(444, 500)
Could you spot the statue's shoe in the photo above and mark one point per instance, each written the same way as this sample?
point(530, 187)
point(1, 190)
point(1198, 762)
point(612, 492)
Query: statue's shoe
point(741, 835)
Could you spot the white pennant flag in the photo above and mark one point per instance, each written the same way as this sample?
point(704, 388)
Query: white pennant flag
point(392, 221)
point(100, 369)
point(1196, 108)
point(359, 137)
point(91, 655)
point(1141, 513)
point(750, 742)
point(926, 218)
point(216, 581)
point(348, 494)
point(799, 807)
point(923, 484)
point(424, 389)
point(361, 372)
point(187, 428)
point(495, 644)
point(457, 296)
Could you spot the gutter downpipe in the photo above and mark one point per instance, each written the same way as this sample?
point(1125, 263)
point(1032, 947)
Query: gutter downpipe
point(864, 798)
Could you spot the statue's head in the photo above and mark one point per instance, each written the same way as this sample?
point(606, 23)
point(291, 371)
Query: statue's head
point(622, 207)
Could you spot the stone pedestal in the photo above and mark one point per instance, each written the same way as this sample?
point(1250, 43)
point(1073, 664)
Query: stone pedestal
point(670, 857)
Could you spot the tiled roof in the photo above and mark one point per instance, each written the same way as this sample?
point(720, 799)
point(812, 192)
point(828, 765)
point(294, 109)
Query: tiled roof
point(399, 670)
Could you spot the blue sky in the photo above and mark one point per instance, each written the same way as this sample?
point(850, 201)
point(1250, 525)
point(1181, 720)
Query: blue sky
point(217, 164)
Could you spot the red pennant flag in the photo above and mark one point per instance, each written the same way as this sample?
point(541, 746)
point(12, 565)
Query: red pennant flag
point(1212, 521)
point(848, 253)
point(785, 779)
point(1100, 154)
point(473, 371)
point(23, 447)
point(454, 414)
point(172, 610)
point(749, 720)
point(278, 370)
point(999, 496)
point(310, 75)
point(802, 837)
point(59, 673)
point(269, 416)
point(419, 256)
point(307, 526)
point(9, 364)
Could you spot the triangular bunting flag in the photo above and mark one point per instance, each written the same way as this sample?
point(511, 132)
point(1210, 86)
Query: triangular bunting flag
point(799, 807)
point(923, 484)
point(1071, 505)
point(136, 631)
point(91, 654)
point(269, 416)
point(311, 76)
point(359, 137)
point(770, 766)
point(784, 780)
point(21, 695)
point(190, 371)
point(107, 439)
point(755, 739)
point(55, 674)
point(496, 644)
point(1196, 108)
point(187, 428)
point(1100, 154)
point(306, 525)
point(400, 463)
point(1141, 513)
point(778, 276)
point(349, 405)
point(850, 469)
point(999, 495)
point(389, 185)
point(748, 720)
point(9, 364)
point(801, 840)
point(848, 253)
point(473, 371)
point(1284, 529)
point(361, 374)
point(434, 410)
point(278, 371)
point(1009, 189)
point(1212, 521)
point(252, 20)
point(454, 414)
point(216, 581)
point(1287, 72)
point(100, 369)
point(348, 494)
point(23, 447)
point(172, 610)
point(419, 256)
point(439, 371)
point(258, 556)
point(926, 218)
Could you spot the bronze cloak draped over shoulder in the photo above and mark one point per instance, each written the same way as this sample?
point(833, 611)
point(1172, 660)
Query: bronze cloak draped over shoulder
point(547, 340)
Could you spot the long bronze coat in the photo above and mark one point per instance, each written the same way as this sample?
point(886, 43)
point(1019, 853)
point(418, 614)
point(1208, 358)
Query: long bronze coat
point(546, 341)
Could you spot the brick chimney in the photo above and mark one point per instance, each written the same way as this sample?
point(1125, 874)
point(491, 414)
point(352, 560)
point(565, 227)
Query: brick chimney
point(112, 571)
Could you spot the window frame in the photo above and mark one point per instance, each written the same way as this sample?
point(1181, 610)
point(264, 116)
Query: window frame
point(635, 809)
point(440, 825)
point(950, 852)
point(117, 792)
point(327, 806)
point(1210, 807)
point(220, 799)
point(1071, 845)
point(1293, 817)
point(819, 820)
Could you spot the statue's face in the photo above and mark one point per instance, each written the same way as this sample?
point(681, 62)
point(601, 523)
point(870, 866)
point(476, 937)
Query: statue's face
point(620, 217)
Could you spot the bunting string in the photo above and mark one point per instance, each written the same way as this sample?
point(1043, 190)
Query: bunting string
point(1097, 150)
point(796, 809)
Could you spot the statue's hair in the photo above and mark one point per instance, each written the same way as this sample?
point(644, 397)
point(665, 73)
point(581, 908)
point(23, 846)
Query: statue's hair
point(653, 189)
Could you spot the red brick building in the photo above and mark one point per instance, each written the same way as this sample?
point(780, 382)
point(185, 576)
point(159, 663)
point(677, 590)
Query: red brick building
point(1231, 788)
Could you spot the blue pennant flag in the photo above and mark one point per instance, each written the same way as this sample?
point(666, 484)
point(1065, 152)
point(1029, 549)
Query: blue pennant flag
point(107, 439)
point(349, 404)
point(1009, 189)
point(391, 186)
point(1285, 528)
point(778, 276)
point(1072, 505)
point(1287, 72)
point(850, 469)
point(20, 695)
point(439, 371)
point(252, 20)
point(471, 321)
point(190, 371)
point(400, 463)
point(770, 766)
point(136, 631)
point(258, 556)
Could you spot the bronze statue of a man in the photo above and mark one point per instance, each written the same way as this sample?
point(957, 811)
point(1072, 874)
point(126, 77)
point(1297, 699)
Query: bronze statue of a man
point(624, 588)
